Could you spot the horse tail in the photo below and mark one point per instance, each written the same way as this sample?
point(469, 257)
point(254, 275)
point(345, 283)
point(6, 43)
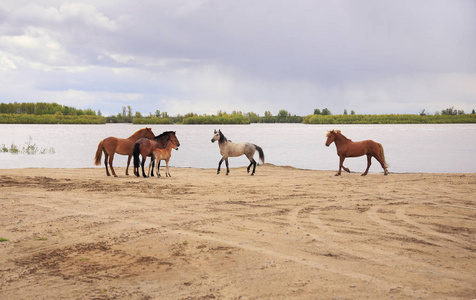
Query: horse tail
point(261, 153)
point(97, 158)
point(382, 156)
point(136, 153)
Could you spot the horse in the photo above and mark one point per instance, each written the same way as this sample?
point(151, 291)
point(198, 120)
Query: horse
point(230, 149)
point(347, 148)
point(145, 148)
point(112, 145)
point(162, 154)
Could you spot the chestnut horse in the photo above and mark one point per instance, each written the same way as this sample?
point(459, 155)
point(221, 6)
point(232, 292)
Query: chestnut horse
point(348, 148)
point(146, 147)
point(230, 149)
point(162, 154)
point(112, 145)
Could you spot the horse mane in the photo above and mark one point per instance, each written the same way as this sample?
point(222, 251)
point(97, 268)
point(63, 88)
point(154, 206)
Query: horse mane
point(160, 136)
point(222, 137)
point(337, 132)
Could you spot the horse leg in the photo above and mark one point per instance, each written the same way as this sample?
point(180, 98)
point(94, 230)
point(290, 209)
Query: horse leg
point(254, 166)
point(227, 168)
point(219, 165)
point(167, 172)
point(158, 169)
point(111, 158)
point(248, 169)
point(341, 163)
point(128, 162)
point(151, 164)
point(142, 165)
point(385, 171)
point(369, 162)
point(345, 169)
point(106, 156)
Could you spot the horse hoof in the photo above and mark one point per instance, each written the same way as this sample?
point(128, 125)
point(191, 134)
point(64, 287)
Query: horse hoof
point(364, 174)
point(338, 174)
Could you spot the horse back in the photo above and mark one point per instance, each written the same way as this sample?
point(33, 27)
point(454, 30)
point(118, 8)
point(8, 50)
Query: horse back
point(238, 149)
point(356, 149)
point(114, 145)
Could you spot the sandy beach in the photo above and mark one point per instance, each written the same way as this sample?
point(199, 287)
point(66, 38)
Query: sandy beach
point(284, 233)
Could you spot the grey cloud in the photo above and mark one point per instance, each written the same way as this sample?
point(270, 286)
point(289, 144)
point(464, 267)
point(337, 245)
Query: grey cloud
point(297, 55)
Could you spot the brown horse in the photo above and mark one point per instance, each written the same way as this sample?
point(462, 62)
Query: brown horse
point(162, 154)
point(146, 147)
point(348, 148)
point(112, 145)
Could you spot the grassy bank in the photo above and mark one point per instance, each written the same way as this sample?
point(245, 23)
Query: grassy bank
point(389, 119)
point(50, 119)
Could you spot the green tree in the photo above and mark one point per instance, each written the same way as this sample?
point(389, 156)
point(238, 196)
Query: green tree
point(268, 117)
point(283, 116)
point(254, 118)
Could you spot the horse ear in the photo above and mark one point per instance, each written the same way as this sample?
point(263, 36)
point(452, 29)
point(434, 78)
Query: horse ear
point(215, 131)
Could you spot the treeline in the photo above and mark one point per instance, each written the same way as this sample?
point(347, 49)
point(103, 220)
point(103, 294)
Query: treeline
point(53, 113)
point(57, 118)
point(43, 108)
point(389, 119)
point(47, 113)
point(236, 117)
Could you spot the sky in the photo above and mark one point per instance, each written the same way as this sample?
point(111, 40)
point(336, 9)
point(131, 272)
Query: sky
point(180, 56)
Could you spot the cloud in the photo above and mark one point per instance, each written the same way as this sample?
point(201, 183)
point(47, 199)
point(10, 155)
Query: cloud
point(204, 56)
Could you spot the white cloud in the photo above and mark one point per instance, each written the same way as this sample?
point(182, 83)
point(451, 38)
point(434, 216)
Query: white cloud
point(6, 63)
point(204, 56)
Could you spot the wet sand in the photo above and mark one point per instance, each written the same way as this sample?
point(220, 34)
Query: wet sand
point(284, 233)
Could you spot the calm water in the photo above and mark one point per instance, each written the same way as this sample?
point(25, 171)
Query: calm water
point(408, 148)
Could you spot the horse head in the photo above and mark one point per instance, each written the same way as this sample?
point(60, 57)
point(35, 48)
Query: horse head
point(173, 138)
point(148, 133)
point(331, 136)
point(216, 136)
point(175, 145)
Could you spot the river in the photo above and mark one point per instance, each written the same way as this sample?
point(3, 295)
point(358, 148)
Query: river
point(427, 148)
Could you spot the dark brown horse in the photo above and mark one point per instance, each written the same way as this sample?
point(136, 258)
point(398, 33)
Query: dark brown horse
point(146, 148)
point(112, 145)
point(348, 148)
